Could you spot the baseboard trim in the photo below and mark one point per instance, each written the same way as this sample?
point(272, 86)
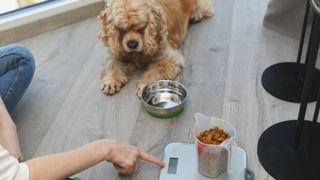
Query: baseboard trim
point(13, 30)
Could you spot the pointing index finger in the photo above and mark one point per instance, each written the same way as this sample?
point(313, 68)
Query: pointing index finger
point(150, 158)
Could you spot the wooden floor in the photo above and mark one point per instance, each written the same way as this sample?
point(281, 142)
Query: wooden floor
point(225, 57)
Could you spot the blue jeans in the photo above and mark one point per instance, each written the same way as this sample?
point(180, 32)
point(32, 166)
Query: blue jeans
point(16, 71)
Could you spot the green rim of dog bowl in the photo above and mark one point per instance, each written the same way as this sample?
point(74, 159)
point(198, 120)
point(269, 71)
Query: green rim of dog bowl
point(165, 116)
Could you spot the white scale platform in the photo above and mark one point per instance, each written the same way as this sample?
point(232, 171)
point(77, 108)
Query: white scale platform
point(181, 164)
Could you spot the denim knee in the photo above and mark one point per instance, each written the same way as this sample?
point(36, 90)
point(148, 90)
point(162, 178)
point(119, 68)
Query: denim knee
point(22, 70)
point(25, 53)
point(26, 57)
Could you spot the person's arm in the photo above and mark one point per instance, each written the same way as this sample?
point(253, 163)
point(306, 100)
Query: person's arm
point(125, 159)
point(8, 133)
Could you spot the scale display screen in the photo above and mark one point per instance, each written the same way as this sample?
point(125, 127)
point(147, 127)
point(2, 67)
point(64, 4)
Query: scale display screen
point(173, 164)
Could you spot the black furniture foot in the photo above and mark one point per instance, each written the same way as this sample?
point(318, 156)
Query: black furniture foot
point(282, 81)
point(281, 160)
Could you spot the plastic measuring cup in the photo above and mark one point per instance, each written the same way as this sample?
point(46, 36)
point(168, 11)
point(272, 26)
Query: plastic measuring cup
point(213, 159)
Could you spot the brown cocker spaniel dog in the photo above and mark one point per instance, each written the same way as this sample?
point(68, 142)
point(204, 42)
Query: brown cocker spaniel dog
point(139, 33)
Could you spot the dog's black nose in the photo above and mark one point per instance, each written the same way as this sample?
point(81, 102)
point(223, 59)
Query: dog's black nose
point(132, 44)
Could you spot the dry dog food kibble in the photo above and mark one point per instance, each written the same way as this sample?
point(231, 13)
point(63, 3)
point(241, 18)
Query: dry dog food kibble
point(213, 160)
point(213, 136)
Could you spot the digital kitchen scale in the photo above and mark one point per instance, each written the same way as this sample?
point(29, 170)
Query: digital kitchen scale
point(181, 164)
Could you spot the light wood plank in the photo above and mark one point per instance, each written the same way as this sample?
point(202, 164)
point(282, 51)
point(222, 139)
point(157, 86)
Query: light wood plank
point(58, 65)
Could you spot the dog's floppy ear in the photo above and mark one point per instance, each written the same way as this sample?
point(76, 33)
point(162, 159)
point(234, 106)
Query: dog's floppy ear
point(156, 32)
point(108, 33)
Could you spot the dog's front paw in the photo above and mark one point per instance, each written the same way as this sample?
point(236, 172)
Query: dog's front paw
point(111, 86)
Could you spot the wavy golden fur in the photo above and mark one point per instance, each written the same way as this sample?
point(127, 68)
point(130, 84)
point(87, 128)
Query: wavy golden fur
point(140, 33)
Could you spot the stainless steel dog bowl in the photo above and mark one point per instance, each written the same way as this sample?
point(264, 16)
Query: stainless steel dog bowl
point(164, 98)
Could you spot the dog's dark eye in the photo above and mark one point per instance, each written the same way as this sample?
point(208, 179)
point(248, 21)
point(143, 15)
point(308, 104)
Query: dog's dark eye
point(141, 30)
point(120, 30)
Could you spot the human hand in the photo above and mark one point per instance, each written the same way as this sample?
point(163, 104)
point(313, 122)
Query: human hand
point(125, 158)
